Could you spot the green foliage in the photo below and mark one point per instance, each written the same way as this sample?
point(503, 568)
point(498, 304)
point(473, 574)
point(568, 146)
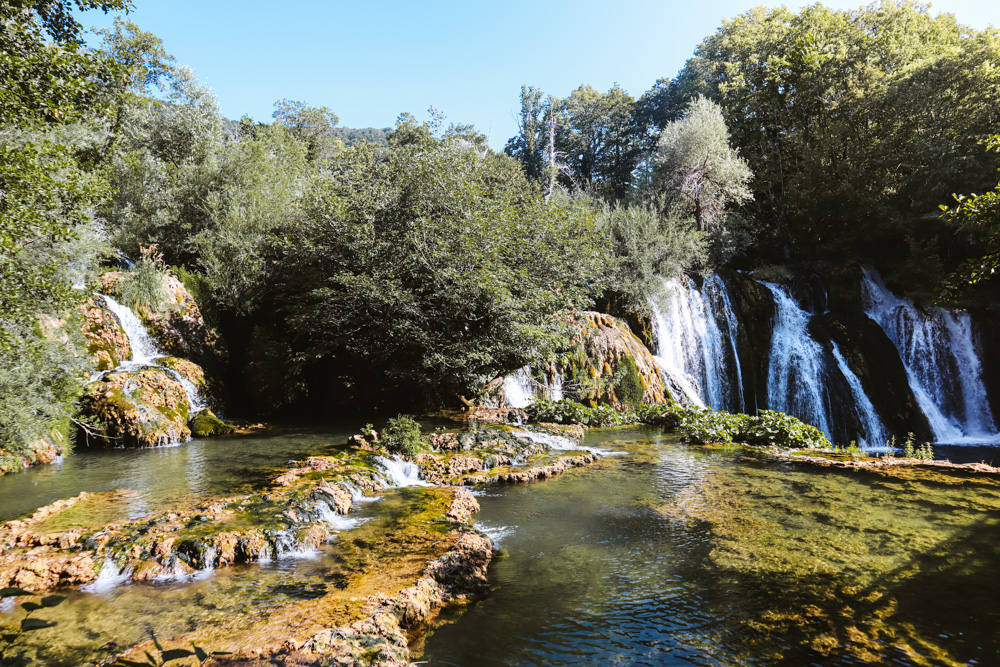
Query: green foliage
point(436, 267)
point(143, 286)
point(858, 123)
point(979, 215)
point(697, 170)
point(769, 428)
point(566, 411)
point(922, 452)
point(647, 244)
point(11, 636)
point(313, 126)
point(401, 435)
point(628, 383)
point(696, 425)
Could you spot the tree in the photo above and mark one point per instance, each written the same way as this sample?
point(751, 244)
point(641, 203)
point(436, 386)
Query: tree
point(979, 215)
point(430, 270)
point(314, 126)
point(697, 170)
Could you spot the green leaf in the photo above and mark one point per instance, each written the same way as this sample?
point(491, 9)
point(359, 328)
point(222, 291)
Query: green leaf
point(52, 600)
point(12, 592)
point(200, 653)
point(35, 624)
point(30, 606)
point(133, 663)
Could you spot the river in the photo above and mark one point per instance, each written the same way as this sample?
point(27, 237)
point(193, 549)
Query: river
point(658, 554)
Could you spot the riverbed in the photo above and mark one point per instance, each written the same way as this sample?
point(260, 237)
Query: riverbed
point(658, 554)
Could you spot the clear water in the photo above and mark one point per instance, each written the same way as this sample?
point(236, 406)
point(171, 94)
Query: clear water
point(680, 556)
point(666, 555)
point(160, 476)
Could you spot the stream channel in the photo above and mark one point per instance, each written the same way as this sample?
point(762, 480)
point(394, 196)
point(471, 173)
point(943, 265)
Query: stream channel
point(657, 554)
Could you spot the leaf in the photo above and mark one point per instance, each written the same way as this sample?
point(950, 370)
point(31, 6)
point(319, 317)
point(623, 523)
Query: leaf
point(11, 592)
point(198, 651)
point(132, 663)
point(30, 606)
point(35, 624)
point(175, 654)
point(52, 600)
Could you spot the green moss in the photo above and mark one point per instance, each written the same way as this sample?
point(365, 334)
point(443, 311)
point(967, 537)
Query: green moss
point(205, 424)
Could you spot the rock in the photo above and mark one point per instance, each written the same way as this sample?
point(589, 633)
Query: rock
point(205, 424)
point(178, 326)
point(143, 408)
point(107, 342)
point(600, 345)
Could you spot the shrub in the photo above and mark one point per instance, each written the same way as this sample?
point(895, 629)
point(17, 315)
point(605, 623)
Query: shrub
point(566, 411)
point(401, 435)
point(628, 384)
point(143, 286)
point(777, 429)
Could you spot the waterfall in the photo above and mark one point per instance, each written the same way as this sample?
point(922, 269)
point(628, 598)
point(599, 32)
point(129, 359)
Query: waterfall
point(145, 352)
point(795, 377)
point(517, 389)
point(940, 353)
point(718, 296)
point(689, 343)
point(874, 433)
point(144, 349)
point(399, 472)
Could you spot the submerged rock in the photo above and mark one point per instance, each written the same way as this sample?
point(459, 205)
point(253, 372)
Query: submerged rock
point(143, 408)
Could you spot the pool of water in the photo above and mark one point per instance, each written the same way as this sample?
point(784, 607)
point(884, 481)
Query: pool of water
point(161, 476)
point(679, 556)
point(658, 554)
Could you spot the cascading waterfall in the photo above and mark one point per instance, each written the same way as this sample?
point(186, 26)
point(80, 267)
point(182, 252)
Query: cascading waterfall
point(399, 472)
point(517, 389)
point(795, 378)
point(940, 353)
point(690, 349)
point(874, 432)
point(718, 295)
point(145, 352)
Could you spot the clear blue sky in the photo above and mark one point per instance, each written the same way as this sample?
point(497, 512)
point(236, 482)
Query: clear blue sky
point(369, 61)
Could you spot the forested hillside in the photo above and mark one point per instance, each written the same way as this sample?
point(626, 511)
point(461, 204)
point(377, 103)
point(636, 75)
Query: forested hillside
point(412, 266)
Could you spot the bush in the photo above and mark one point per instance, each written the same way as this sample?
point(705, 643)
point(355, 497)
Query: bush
point(143, 286)
point(401, 435)
point(628, 384)
point(566, 411)
point(777, 429)
point(703, 427)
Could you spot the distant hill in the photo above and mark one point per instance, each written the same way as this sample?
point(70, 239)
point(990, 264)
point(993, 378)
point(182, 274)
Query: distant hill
point(356, 135)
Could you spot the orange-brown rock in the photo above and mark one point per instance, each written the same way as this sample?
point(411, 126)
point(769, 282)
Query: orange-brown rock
point(141, 408)
point(107, 343)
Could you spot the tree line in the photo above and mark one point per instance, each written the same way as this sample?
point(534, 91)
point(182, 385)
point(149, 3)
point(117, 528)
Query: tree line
point(415, 264)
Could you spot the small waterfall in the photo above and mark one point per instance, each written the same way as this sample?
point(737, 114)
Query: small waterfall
point(399, 472)
point(517, 389)
point(874, 432)
point(145, 352)
point(941, 357)
point(549, 440)
point(144, 348)
point(357, 495)
point(795, 378)
point(690, 349)
point(109, 578)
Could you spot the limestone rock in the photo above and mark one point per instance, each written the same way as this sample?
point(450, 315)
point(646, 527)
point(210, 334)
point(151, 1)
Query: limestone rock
point(141, 408)
point(107, 343)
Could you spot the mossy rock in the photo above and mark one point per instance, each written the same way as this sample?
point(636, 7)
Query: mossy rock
point(206, 424)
